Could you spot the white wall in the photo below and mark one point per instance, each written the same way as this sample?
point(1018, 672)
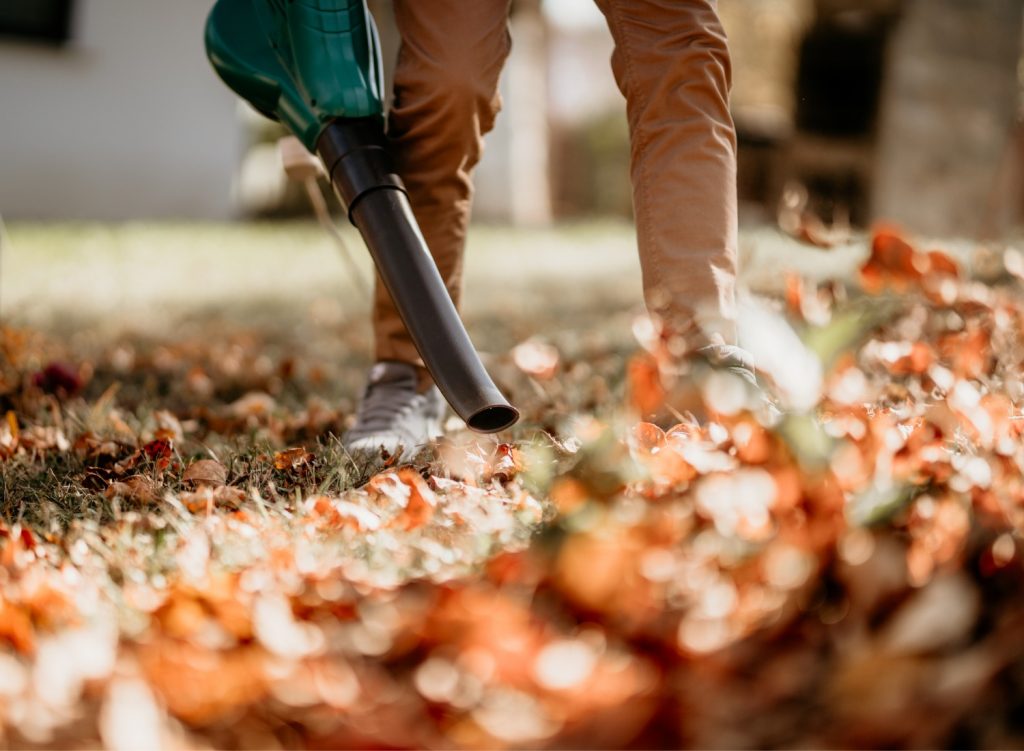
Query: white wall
point(128, 121)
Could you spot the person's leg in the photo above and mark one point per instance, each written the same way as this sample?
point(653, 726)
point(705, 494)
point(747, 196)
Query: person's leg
point(445, 100)
point(671, 62)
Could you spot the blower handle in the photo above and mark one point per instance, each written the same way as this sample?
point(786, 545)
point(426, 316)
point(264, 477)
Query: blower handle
point(354, 151)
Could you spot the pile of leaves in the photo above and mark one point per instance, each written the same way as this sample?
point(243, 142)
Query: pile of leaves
point(664, 555)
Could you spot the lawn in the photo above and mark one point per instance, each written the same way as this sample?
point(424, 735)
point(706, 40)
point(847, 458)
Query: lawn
point(189, 558)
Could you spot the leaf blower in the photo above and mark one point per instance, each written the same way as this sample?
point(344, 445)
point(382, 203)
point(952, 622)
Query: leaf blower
point(315, 66)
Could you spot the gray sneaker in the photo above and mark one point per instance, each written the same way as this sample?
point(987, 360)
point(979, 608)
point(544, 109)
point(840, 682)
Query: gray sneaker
point(394, 417)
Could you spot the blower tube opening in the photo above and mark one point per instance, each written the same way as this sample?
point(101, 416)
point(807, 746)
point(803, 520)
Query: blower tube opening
point(493, 419)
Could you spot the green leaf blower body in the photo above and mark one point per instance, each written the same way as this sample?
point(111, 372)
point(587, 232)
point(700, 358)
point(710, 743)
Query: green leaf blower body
point(314, 65)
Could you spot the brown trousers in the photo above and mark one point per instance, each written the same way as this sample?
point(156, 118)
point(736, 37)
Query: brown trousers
point(671, 62)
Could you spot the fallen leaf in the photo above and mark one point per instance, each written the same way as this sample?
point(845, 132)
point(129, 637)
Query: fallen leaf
point(206, 472)
point(292, 459)
point(58, 378)
point(137, 488)
point(536, 358)
point(646, 389)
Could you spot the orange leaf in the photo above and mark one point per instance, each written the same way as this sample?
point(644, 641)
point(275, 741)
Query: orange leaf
point(915, 360)
point(419, 508)
point(646, 390)
point(16, 627)
point(568, 494)
point(647, 438)
point(969, 352)
point(292, 458)
point(942, 265)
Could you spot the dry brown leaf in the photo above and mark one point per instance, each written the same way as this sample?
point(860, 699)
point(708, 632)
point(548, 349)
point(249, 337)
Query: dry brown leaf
point(137, 488)
point(206, 472)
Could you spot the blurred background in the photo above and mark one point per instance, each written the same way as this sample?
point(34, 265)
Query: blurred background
point(848, 112)
point(898, 109)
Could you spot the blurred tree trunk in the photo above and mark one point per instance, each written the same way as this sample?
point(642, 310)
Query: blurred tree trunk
point(947, 131)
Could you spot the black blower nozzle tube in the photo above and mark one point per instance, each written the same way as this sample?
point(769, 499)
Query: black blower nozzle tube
point(355, 154)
